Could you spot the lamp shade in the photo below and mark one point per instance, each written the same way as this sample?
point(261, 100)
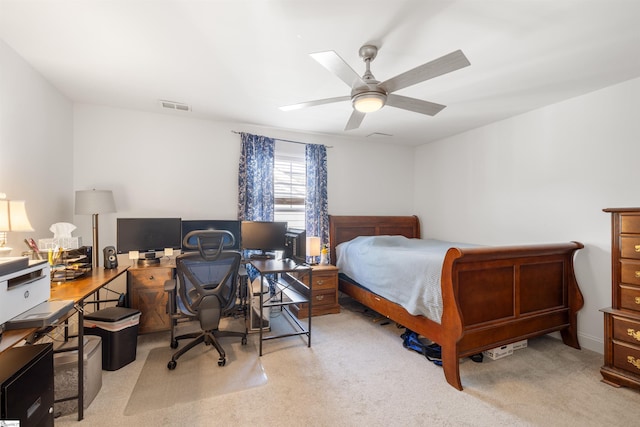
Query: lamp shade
point(13, 216)
point(90, 202)
point(313, 246)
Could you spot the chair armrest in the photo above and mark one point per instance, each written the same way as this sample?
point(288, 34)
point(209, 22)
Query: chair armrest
point(170, 285)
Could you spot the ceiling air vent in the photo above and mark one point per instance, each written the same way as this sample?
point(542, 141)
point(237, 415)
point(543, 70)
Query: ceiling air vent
point(171, 105)
point(378, 134)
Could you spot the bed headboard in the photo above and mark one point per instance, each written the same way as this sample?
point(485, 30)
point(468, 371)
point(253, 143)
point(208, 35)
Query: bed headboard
point(345, 228)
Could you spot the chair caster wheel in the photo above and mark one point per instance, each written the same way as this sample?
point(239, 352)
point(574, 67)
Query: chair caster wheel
point(174, 344)
point(222, 362)
point(172, 365)
point(244, 341)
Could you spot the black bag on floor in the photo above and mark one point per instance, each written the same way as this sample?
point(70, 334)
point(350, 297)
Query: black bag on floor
point(432, 352)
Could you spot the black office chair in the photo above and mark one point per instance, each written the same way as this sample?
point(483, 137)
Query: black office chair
point(206, 289)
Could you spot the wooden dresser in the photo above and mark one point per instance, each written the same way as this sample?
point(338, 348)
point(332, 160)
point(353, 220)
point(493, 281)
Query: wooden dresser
point(622, 320)
point(324, 292)
point(146, 293)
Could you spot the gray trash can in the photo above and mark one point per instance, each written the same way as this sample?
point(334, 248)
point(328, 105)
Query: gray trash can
point(65, 368)
point(118, 328)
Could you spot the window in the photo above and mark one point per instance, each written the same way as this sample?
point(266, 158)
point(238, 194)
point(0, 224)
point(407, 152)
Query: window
point(289, 181)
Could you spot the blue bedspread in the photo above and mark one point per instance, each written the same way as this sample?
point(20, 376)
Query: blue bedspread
point(405, 271)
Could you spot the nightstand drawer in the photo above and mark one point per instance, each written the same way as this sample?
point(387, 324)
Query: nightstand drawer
point(630, 297)
point(324, 302)
point(626, 358)
point(626, 330)
point(322, 281)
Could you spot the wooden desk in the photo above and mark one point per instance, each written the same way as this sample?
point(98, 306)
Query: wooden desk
point(76, 290)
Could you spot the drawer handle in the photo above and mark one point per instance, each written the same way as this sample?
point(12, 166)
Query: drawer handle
point(635, 362)
point(320, 282)
point(632, 333)
point(151, 277)
point(637, 274)
point(320, 297)
point(637, 248)
point(637, 300)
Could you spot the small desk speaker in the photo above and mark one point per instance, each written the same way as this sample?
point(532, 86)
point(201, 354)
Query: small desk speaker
point(110, 257)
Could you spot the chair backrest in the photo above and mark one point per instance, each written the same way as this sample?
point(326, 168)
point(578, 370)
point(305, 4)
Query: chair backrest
point(208, 278)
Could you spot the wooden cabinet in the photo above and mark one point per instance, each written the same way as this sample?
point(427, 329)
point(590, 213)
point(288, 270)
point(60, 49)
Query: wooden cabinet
point(146, 293)
point(622, 320)
point(324, 292)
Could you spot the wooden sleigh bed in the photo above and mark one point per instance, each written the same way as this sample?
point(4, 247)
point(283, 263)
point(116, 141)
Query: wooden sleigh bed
point(491, 296)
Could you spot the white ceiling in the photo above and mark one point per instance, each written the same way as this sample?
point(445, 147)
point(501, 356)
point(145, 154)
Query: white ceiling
point(239, 60)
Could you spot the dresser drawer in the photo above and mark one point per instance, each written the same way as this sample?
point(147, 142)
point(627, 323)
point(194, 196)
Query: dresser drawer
point(630, 272)
point(629, 297)
point(627, 358)
point(626, 330)
point(630, 247)
point(630, 223)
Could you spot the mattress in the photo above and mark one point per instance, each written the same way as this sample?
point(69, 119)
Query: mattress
point(405, 271)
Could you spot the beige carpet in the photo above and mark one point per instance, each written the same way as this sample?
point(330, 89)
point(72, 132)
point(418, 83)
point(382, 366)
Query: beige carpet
point(357, 373)
point(197, 375)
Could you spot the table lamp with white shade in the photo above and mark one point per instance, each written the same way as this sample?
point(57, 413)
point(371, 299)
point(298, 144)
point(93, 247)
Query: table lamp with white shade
point(13, 217)
point(313, 249)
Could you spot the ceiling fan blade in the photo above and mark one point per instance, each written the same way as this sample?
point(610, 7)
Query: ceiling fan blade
point(334, 63)
point(443, 65)
point(416, 105)
point(314, 103)
point(354, 120)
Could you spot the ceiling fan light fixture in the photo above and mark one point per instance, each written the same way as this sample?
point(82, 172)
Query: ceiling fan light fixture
point(369, 102)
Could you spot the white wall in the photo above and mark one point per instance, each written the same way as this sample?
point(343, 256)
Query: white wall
point(36, 140)
point(173, 165)
point(544, 176)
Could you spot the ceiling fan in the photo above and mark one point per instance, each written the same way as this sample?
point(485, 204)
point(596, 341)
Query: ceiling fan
point(369, 95)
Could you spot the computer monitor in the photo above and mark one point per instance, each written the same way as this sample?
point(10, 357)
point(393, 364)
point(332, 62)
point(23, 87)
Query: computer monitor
point(148, 236)
point(264, 236)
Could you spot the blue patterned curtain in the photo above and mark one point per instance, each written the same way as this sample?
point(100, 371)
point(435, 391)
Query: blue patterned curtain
point(255, 178)
point(316, 205)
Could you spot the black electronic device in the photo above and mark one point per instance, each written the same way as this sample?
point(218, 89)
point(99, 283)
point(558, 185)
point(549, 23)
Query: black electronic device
point(232, 226)
point(110, 257)
point(148, 236)
point(26, 385)
point(264, 236)
point(295, 244)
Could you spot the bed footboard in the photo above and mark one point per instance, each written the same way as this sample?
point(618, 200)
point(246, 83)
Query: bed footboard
point(497, 295)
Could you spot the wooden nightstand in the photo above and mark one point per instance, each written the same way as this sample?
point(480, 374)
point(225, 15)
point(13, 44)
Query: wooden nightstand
point(324, 292)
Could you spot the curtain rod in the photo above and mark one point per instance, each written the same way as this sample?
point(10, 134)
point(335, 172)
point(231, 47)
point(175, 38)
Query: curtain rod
point(288, 140)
